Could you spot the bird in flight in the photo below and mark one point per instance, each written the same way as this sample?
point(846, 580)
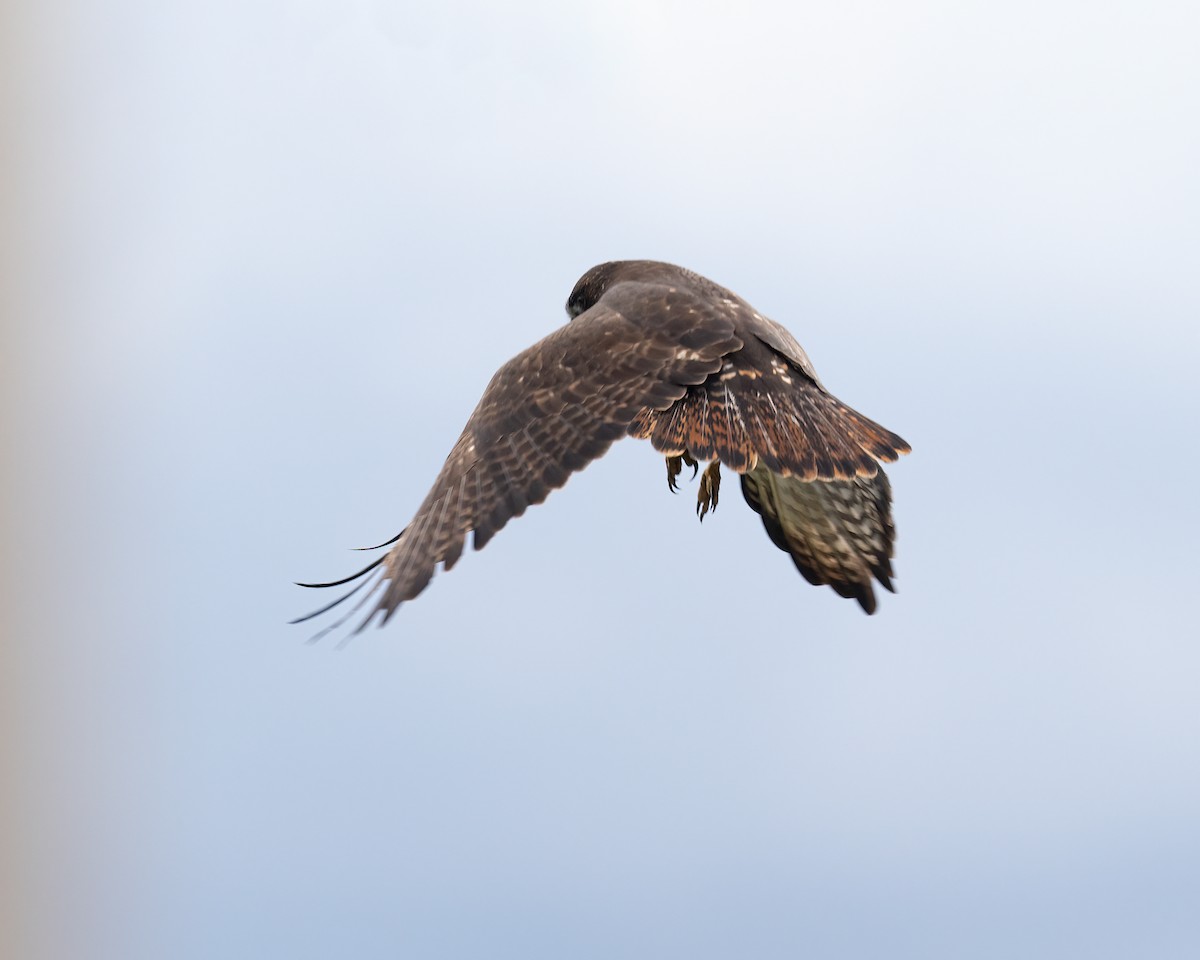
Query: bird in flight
point(657, 352)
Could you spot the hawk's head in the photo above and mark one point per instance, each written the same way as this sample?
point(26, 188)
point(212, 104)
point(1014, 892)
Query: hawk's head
point(593, 284)
point(591, 287)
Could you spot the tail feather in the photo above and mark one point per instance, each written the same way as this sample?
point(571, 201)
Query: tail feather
point(838, 533)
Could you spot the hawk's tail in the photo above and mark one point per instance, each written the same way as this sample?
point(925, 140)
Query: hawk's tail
point(838, 533)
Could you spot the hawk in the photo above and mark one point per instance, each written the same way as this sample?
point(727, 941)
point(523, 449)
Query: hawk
point(658, 352)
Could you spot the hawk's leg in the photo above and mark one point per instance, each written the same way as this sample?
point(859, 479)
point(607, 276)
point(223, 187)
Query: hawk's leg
point(675, 467)
point(710, 489)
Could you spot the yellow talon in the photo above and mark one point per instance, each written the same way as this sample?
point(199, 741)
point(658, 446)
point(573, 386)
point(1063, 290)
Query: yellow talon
point(675, 467)
point(710, 489)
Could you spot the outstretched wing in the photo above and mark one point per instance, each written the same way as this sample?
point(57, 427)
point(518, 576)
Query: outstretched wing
point(838, 532)
point(547, 413)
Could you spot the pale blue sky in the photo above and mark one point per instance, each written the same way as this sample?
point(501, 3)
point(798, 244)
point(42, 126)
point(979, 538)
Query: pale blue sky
point(275, 252)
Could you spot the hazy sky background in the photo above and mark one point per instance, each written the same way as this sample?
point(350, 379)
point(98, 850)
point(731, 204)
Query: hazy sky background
point(271, 254)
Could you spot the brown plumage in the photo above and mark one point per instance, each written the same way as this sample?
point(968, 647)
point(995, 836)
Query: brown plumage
point(658, 352)
point(838, 532)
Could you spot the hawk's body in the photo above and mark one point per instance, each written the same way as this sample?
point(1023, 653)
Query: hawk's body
point(661, 353)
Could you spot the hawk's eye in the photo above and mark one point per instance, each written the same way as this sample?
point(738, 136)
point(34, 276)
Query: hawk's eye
point(578, 303)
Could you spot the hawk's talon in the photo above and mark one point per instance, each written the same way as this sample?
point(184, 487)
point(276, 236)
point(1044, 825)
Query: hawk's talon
point(710, 489)
point(675, 467)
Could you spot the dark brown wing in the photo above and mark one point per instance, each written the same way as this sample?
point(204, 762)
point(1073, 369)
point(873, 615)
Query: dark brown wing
point(549, 412)
point(763, 408)
point(837, 532)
